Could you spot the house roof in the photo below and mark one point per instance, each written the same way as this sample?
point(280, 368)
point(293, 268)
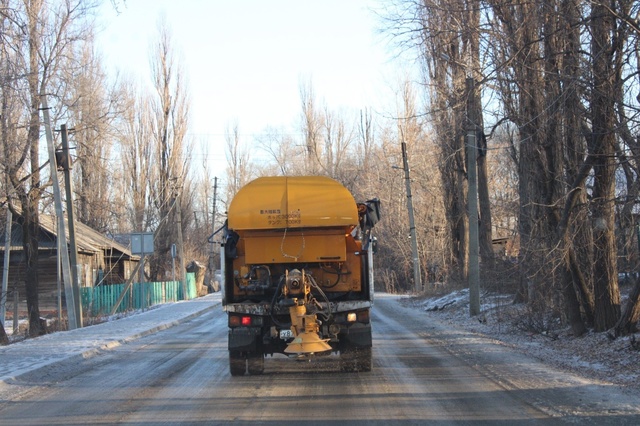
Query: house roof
point(88, 240)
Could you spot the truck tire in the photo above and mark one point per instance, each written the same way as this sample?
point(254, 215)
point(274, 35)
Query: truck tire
point(255, 364)
point(237, 364)
point(364, 359)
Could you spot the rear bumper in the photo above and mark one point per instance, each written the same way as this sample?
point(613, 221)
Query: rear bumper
point(263, 339)
point(265, 310)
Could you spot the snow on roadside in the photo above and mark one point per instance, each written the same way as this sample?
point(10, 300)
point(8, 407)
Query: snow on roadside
point(594, 355)
point(23, 323)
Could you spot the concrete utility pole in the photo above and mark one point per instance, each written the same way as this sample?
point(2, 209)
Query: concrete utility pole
point(59, 248)
point(73, 248)
point(212, 256)
point(66, 268)
point(472, 195)
point(412, 226)
point(180, 247)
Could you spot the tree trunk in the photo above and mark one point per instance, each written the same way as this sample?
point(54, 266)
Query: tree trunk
point(4, 339)
point(484, 236)
point(471, 37)
point(199, 271)
point(572, 305)
point(575, 221)
point(30, 227)
point(630, 314)
point(582, 288)
point(607, 296)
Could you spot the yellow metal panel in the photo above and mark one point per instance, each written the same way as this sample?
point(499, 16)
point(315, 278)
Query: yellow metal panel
point(269, 248)
point(292, 202)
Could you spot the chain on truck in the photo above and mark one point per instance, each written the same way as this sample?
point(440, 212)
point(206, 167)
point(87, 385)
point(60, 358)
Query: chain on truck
point(297, 272)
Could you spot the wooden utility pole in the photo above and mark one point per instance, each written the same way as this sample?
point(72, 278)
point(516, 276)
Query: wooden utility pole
point(417, 280)
point(472, 194)
point(66, 167)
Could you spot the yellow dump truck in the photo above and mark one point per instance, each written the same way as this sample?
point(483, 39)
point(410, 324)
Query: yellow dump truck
point(297, 272)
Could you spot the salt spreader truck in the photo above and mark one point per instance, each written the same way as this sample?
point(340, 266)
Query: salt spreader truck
point(297, 272)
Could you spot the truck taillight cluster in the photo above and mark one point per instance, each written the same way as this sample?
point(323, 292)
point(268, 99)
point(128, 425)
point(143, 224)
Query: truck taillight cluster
point(245, 321)
point(359, 316)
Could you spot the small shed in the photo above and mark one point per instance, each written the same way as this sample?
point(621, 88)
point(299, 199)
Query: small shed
point(506, 247)
point(101, 260)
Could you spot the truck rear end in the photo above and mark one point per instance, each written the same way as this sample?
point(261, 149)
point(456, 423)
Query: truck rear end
point(297, 272)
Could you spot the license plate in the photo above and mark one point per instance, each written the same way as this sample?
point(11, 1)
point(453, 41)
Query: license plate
point(286, 334)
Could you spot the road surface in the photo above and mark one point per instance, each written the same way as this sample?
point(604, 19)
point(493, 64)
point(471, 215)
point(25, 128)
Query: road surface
point(423, 373)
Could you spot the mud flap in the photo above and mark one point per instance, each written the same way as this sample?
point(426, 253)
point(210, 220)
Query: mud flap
point(356, 336)
point(244, 339)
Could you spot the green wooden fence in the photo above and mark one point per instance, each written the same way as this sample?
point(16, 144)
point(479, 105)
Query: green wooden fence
point(100, 300)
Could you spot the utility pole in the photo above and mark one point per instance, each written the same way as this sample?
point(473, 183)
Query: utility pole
point(66, 166)
point(212, 256)
point(66, 268)
point(5, 269)
point(178, 207)
point(59, 248)
point(412, 226)
point(472, 195)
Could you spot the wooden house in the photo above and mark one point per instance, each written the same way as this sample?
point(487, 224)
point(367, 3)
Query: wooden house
point(101, 260)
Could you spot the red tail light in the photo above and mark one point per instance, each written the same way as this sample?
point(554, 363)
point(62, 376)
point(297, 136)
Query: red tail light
point(245, 321)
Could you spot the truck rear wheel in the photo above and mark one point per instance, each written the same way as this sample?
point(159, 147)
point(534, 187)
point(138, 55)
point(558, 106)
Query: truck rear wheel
point(255, 364)
point(364, 359)
point(237, 364)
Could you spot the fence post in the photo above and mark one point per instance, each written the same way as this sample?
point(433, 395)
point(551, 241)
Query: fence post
point(15, 310)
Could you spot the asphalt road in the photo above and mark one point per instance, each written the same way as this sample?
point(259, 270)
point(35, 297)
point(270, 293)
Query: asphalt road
point(423, 373)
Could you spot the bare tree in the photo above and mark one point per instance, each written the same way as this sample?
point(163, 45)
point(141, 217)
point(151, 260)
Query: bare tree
point(283, 149)
point(535, 52)
point(338, 138)
point(137, 155)
point(170, 118)
point(445, 58)
point(366, 136)
point(93, 109)
point(628, 153)
point(311, 126)
point(605, 52)
point(36, 40)
point(238, 167)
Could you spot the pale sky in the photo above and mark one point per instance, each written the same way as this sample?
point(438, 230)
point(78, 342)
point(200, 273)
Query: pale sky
point(245, 58)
